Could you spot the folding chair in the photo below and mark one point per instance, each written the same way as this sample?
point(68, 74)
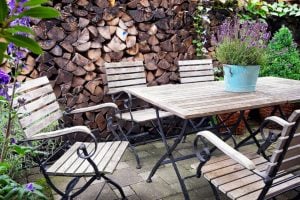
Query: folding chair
point(194, 71)
point(37, 108)
point(248, 175)
point(121, 75)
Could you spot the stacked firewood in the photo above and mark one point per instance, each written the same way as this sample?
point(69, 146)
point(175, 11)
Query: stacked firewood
point(90, 33)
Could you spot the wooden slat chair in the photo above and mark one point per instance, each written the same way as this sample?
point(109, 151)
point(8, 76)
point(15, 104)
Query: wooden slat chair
point(250, 176)
point(82, 159)
point(192, 71)
point(122, 75)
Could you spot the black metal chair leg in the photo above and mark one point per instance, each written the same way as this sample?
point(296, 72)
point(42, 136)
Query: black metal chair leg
point(137, 158)
point(215, 191)
point(108, 180)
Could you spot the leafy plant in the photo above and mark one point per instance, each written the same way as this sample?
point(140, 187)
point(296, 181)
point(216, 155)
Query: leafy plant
point(201, 24)
point(12, 31)
point(263, 9)
point(283, 58)
point(10, 189)
point(16, 38)
point(241, 43)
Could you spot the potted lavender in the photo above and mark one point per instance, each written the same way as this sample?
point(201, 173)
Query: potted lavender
point(241, 49)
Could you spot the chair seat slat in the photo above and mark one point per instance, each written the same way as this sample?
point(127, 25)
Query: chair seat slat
point(71, 165)
point(53, 168)
point(69, 161)
point(275, 190)
point(231, 169)
point(143, 115)
point(116, 157)
point(100, 156)
point(240, 174)
point(90, 147)
point(223, 164)
point(108, 156)
point(86, 163)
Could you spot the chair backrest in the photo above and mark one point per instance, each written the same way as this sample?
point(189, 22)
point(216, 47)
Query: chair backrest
point(287, 147)
point(191, 71)
point(125, 74)
point(40, 108)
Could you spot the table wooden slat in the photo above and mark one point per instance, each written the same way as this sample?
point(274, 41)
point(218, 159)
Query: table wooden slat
point(203, 99)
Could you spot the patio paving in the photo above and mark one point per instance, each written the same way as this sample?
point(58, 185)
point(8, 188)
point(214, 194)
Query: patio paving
point(164, 186)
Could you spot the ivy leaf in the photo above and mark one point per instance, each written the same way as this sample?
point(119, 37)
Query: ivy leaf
point(40, 12)
point(3, 10)
point(25, 42)
point(32, 3)
point(17, 29)
point(265, 8)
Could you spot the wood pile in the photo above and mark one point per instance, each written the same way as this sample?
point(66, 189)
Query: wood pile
point(90, 33)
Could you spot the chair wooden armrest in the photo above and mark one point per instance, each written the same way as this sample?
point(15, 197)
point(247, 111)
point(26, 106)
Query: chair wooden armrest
point(61, 132)
point(279, 121)
point(228, 150)
point(93, 108)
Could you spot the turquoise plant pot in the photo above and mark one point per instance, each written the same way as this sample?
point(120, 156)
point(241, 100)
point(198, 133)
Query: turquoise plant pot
point(240, 78)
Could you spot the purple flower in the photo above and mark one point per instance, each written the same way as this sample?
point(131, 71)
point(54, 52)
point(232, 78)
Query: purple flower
point(13, 141)
point(29, 187)
point(4, 78)
point(12, 4)
point(16, 7)
point(4, 92)
point(255, 34)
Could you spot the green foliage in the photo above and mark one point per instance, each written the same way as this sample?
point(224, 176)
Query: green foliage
point(10, 189)
point(283, 58)
point(12, 34)
point(201, 25)
point(3, 10)
point(262, 9)
point(237, 52)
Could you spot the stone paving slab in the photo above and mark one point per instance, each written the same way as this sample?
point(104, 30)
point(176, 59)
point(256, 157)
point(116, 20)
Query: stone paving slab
point(164, 186)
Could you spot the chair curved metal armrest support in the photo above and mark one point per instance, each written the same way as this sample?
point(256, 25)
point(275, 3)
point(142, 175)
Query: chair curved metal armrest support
point(276, 120)
point(228, 150)
point(92, 108)
point(127, 103)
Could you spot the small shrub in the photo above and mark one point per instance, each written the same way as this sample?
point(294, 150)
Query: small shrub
point(283, 59)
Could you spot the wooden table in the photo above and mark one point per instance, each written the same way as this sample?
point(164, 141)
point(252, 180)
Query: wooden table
point(209, 98)
point(194, 100)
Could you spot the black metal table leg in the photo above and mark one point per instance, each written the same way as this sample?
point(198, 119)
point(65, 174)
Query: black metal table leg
point(252, 133)
point(168, 154)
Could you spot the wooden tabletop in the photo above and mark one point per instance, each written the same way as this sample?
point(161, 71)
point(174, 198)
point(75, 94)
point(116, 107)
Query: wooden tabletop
point(209, 98)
